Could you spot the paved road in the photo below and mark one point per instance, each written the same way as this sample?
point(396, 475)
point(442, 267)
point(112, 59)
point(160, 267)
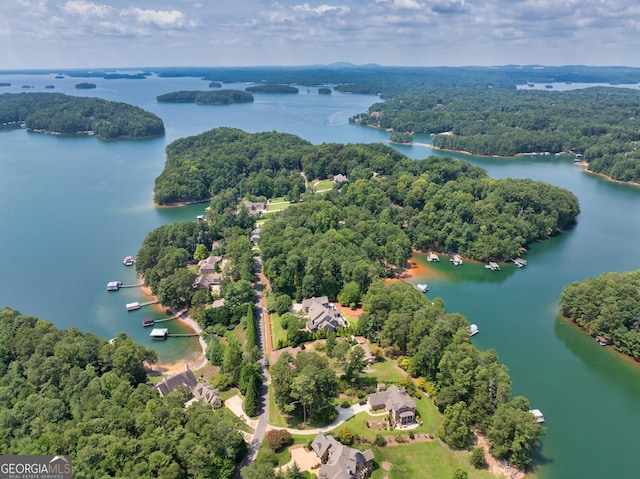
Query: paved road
point(263, 418)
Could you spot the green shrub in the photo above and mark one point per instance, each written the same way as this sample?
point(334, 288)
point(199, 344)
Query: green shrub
point(477, 458)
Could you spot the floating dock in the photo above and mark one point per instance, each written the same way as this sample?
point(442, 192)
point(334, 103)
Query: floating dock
point(537, 415)
point(603, 341)
point(159, 334)
point(456, 260)
point(493, 266)
point(128, 261)
point(116, 285)
point(148, 322)
point(136, 305)
point(473, 330)
point(423, 288)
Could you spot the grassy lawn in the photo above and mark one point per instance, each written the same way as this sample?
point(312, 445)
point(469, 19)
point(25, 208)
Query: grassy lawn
point(272, 208)
point(428, 413)
point(277, 333)
point(386, 371)
point(423, 459)
point(323, 185)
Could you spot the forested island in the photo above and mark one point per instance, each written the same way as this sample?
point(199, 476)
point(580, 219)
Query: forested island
point(218, 97)
point(64, 390)
point(324, 91)
point(272, 88)
point(599, 123)
point(608, 307)
point(85, 86)
point(64, 114)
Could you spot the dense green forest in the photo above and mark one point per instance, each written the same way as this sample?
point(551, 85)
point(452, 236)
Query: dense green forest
point(272, 88)
point(218, 97)
point(199, 167)
point(59, 113)
point(600, 123)
point(440, 204)
point(66, 392)
point(607, 306)
point(324, 91)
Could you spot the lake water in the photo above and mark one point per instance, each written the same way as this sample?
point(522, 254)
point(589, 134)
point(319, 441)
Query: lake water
point(72, 208)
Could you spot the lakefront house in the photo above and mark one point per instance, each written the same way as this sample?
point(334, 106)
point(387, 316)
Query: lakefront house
point(340, 461)
point(398, 404)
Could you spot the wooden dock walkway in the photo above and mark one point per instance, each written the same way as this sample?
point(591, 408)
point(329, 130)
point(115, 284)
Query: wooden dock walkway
point(189, 335)
point(132, 285)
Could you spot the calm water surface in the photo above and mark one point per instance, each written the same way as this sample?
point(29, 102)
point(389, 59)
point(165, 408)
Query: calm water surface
point(71, 208)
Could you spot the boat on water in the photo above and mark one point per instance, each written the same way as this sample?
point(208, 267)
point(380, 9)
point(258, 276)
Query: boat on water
point(473, 330)
point(493, 266)
point(432, 257)
point(128, 261)
point(456, 260)
point(423, 288)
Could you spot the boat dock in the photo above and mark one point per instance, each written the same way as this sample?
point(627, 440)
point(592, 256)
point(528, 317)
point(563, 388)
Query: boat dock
point(136, 305)
point(537, 415)
point(603, 341)
point(423, 288)
point(493, 266)
point(456, 260)
point(520, 263)
point(116, 285)
point(186, 335)
point(473, 330)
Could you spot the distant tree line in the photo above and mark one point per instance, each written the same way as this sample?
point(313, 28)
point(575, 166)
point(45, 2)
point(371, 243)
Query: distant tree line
point(600, 123)
point(324, 91)
point(607, 306)
point(218, 97)
point(59, 113)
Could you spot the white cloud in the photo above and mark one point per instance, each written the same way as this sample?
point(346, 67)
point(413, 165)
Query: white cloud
point(158, 18)
point(86, 9)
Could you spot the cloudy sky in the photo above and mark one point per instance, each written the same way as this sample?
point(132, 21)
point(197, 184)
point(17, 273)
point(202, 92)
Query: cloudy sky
point(129, 33)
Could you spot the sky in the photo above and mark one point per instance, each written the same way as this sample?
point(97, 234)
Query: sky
point(145, 33)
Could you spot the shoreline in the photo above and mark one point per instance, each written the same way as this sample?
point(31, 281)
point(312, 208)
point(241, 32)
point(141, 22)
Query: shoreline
point(200, 359)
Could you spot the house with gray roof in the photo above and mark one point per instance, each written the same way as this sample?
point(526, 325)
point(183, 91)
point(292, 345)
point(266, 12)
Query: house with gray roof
point(208, 281)
point(208, 265)
point(254, 208)
point(185, 378)
point(202, 391)
point(206, 392)
point(340, 461)
point(322, 314)
point(398, 404)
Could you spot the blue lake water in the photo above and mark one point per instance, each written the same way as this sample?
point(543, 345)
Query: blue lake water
point(72, 208)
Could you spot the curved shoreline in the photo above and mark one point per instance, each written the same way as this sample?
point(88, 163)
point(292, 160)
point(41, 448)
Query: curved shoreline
point(196, 363)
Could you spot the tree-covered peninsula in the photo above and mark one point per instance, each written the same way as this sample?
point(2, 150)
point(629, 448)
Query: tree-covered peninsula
point(217, 97)
point(64, 114)
point(600, 123)
point(272, 88)
point(436, 203)
point(609, 307)
point(64, 390)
